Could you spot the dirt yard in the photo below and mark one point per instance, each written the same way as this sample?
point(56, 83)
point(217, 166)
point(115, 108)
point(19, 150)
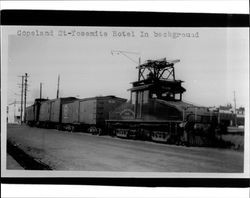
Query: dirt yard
point(80, 151)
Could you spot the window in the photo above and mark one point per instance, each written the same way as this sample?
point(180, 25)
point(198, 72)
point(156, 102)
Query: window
point(145, 96)
point(154, 96)
point(133, 97)
point(177, 96)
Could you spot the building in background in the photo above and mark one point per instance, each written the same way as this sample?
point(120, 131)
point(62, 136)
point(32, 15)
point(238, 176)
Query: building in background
point(238, 114)
point(14, 112)
point(226, 109)
point(240, 111)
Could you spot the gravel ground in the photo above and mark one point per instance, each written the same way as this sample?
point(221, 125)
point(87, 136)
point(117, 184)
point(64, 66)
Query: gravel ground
point(80, 151)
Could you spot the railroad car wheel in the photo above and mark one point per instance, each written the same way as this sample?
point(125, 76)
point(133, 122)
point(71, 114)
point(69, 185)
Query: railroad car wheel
point(89, 130)
point(68, 128)
point(93, 130)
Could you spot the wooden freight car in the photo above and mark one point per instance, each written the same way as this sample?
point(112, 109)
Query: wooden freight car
point(32, 112)
point(30, 115)
point(89, 114)
point(44, 114)
point(50, 112)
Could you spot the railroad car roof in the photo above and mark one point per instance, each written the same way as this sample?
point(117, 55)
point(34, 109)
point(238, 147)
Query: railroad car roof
point(103, 97)
point(65, 98)
point(30, 106)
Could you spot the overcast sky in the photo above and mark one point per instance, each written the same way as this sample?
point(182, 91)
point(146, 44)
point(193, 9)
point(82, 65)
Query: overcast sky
point(212, 65)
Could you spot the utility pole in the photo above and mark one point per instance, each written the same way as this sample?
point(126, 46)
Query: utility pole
point(22, 101)
point(25, 94)
point(58, 83)
point(41, 87)
point(22, 89)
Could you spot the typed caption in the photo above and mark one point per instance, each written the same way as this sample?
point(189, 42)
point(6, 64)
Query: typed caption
point(98, 33)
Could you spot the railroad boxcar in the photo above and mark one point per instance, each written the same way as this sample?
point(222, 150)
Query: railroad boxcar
point(44, 114)
point(30, 115)
point(50, 112)
point(32, 112)
point(89, 114)
point(56, 110)
point(37, 106)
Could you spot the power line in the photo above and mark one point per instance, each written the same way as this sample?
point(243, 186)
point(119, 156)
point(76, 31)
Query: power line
point(125, 53)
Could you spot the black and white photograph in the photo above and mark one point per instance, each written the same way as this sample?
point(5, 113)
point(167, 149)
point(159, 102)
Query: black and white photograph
point(125, 101)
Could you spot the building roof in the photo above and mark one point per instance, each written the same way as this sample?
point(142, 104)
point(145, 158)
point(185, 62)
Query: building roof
point(19, 102)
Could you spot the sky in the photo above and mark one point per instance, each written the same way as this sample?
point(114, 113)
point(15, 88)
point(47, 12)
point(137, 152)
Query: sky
point(213, 63)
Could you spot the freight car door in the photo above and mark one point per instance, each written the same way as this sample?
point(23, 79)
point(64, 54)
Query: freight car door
point(30, 113)
point(55, 111)
point(88, 111)
point(66, 113)
point(75, 111)
point(44, 113)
